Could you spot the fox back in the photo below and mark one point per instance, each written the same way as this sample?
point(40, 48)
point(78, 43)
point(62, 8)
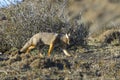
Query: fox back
point(48, 38)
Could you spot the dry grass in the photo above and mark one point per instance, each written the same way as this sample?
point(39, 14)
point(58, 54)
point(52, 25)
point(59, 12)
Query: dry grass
point(75, 16)
point(30, 17)
point(82, 18)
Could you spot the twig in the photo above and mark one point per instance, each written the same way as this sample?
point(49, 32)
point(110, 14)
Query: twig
point(3, 71)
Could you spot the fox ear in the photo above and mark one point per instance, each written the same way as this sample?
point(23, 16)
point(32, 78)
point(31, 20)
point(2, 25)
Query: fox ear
point(68, 34)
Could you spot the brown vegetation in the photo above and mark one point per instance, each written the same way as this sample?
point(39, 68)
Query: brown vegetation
point(109, 36)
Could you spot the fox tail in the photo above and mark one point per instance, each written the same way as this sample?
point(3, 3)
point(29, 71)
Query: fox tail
point(25, 47)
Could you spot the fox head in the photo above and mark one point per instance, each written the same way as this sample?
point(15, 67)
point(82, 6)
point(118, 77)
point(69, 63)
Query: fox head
point(66, 38)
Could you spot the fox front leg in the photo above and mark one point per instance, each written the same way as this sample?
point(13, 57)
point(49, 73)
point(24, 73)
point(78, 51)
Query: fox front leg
point(50, 49)
point(66, 52)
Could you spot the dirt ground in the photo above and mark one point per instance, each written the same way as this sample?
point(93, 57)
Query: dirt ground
point(91, 62)
point(94, 62)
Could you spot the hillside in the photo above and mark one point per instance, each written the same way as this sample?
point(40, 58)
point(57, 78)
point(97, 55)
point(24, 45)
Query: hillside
point(94, 41)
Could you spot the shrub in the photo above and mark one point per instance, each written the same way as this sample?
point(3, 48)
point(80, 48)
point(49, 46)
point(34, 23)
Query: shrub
point(30, 17)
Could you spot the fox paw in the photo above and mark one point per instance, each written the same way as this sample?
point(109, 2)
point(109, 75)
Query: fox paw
point(41, 56)
point(68, 55)
point(19, 52)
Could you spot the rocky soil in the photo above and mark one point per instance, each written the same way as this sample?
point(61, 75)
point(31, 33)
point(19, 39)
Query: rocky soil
point(94, 62)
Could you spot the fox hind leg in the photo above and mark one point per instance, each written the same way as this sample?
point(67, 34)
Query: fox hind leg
point(32, 43)
point(30, 48)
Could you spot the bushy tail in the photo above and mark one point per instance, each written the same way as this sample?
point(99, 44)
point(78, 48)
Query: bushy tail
point(26, 46)
point(30, 44)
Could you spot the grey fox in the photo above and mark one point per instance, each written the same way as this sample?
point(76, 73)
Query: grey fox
point(44, 38)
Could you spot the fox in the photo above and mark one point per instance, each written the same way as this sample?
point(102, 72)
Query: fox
point(46, 38)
